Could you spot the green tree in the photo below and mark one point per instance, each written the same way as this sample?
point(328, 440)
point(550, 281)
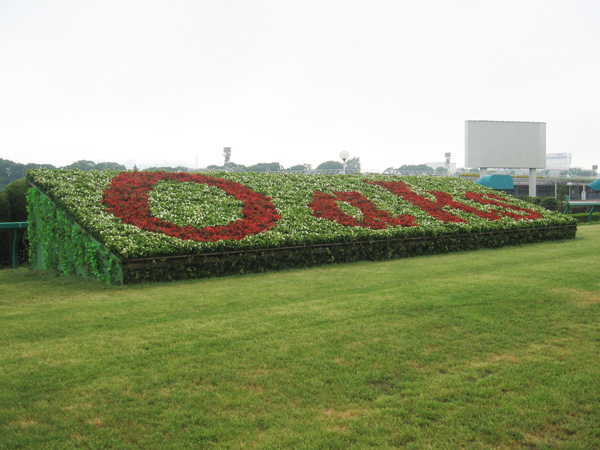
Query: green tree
point(39, 166)
point(265, 167)
point(416, 167)
point(353, 164)
point(550, 203)
point(232, 166)
point(109, 166)
point(10, 171)
point(166, 169)
point(563, 192)
point(329, 165)
point(303, 167)
point(83, 165)
point(4, 207)
point(215, 167)
point(579, 172)
point(17, 196)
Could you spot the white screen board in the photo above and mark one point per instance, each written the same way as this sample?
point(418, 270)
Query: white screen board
point(513, 145)
point(558, 161)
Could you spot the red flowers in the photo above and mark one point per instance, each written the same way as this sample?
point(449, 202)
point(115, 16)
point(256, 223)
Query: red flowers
point(434, 209)
point(127, 198)
point(325, 205)
point(443, 199)
point(480, 198)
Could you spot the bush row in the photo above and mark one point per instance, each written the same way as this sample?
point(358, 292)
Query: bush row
point(204, 266)
point(585, 217)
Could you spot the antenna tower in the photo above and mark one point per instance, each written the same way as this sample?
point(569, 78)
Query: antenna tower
point(447, 156)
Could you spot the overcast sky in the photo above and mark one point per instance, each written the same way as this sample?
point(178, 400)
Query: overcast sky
point(390, 81)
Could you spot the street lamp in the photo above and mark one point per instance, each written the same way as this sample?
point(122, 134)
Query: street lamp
point(344, 155)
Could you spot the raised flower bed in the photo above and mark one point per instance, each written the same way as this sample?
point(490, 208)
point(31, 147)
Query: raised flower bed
point(135, 226)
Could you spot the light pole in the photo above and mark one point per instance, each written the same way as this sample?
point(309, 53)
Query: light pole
point(344, 155)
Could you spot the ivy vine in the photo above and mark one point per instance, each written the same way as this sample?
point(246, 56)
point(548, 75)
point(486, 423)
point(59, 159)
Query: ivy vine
point(67, 248)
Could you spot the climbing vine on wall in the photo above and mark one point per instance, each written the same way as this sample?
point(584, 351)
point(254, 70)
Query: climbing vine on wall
point(66, 247)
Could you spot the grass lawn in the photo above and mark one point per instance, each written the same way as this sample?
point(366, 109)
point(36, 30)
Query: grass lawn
point(487, 349)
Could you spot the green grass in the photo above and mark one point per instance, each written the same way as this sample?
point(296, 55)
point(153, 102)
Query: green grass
point(478, 350)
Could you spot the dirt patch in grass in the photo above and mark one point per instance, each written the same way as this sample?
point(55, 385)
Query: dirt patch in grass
point(344, 415)
point(578, 297)
point(27, 422)
point(501, 358)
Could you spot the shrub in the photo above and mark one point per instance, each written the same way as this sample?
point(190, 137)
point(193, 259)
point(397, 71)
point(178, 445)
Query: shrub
point(17, 196)
point(534, 200)
point(4, 207)
point(5, 241)
point(550, 203)
point(585, 217)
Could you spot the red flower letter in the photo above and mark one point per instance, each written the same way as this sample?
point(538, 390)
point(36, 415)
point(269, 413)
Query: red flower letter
point(127, 198)
point(434, 209)
point(325, 205)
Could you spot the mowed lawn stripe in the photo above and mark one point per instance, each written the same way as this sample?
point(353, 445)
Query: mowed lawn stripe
point(486, 349)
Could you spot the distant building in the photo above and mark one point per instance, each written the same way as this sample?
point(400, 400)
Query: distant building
point(558, 161)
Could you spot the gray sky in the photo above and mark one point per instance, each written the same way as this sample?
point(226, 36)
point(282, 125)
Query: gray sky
point(391, 82)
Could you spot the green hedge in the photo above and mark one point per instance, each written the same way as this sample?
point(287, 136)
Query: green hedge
point(585, 217)
point(204, 266)
point(17, 196)
point(550, 203)
point(5, 241)
point(4, 207)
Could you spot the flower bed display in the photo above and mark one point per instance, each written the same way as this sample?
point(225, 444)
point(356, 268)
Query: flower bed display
point(162, 225)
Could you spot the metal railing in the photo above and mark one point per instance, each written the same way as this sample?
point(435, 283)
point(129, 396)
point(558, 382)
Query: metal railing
point(19, 227)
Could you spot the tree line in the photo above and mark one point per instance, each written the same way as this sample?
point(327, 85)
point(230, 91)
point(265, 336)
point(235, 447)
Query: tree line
point(353, 165)
point(11, 171)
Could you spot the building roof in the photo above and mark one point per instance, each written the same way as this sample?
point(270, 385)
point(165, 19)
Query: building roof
point(499, 182)
point(595, 185)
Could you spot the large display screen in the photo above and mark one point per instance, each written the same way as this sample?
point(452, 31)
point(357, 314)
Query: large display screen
point(514, 145)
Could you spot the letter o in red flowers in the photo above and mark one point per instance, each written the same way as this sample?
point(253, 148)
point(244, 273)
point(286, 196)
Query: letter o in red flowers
point(127, 199)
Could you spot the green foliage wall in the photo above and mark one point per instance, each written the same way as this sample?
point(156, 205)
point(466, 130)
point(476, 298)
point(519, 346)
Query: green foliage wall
point(58, 243)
